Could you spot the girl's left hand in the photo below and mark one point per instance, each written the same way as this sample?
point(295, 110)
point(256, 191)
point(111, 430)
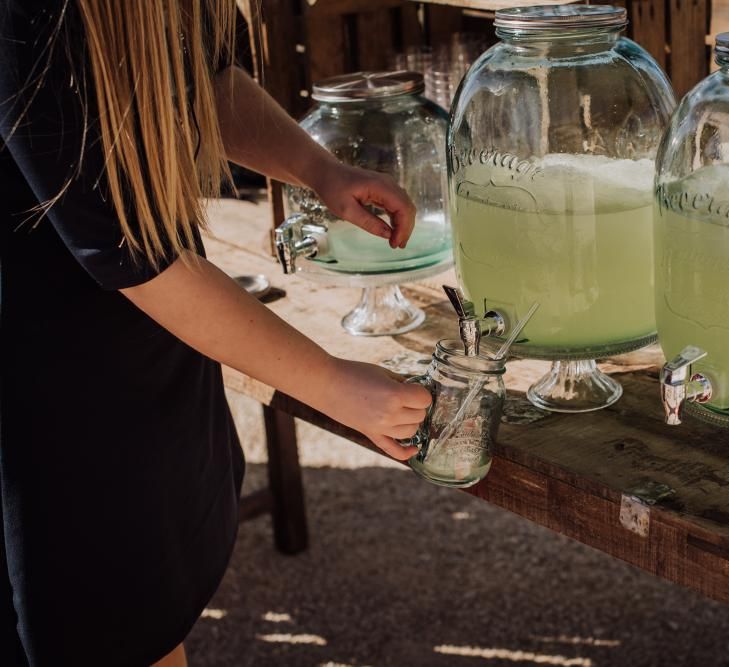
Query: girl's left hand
point(346, 190)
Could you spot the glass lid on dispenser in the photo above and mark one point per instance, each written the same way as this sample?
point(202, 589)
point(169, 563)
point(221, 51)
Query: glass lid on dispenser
point(363, 86)
point(551, 17)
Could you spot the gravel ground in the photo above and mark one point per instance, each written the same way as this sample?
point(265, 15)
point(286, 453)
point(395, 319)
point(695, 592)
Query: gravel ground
point(401, 573)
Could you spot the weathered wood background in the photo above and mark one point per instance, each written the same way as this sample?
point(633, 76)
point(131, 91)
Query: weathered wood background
point(302, 41)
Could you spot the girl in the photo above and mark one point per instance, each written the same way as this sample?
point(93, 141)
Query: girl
point(120, 469)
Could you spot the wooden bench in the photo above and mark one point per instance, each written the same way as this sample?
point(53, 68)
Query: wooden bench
point(618, 480)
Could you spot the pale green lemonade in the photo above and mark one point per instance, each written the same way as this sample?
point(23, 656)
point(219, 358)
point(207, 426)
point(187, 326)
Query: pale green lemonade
point(357, 250)
point(692, 272)
point(574, 235)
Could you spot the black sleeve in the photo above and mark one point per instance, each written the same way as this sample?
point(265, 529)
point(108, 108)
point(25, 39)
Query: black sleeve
point(49, 124)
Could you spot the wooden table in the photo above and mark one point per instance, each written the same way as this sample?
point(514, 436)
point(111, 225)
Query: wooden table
point(618, 480)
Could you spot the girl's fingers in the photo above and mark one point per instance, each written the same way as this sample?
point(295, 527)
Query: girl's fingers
point(415, 396)
point(394, 449)
point(402, 431)
point(400, 208)
point(408, 416)
point(362, 218)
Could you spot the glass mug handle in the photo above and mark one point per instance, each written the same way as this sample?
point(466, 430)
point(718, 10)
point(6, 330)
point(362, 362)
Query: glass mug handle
point(421, 435)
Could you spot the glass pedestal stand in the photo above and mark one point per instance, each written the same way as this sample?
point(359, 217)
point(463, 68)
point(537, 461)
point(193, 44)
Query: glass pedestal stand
point(574, 386)
point(382, 310)
point(574, 383)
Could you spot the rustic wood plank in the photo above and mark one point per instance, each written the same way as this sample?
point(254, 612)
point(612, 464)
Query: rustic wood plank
point(412, 31)
point(275, 34)
point(648, 27)
point(441, 22)
point(325, 45)
point(668, 550)
point(689, 62)
point(341, 7)
point(491, 5)
point(284, 480)
point(278, 212)
point(374, 40)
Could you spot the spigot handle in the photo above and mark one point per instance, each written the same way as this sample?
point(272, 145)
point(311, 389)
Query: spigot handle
point(297, 235)
point(468, 323)
point(681, 363)
point(284, 249)
point(462, 307)
point(679, 385)
point(472, 328)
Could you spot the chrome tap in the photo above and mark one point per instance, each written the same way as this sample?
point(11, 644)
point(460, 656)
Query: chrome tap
point(471, 327)
point(679, 385)
point(299, 236)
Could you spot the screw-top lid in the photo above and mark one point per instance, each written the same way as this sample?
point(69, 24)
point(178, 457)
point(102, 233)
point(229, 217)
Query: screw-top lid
point(551, 17)
point(721, 48)
point(360, 86)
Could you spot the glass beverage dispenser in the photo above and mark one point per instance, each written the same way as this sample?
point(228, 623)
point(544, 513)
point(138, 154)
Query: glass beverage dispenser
point(692, 249)
point(377, 121)
point(551, 153)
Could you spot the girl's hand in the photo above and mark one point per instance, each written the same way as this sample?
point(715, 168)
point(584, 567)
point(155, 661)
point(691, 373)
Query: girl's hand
point(346, 190)
point(376, 403)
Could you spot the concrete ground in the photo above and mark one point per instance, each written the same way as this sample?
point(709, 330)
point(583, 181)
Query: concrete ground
point(401, 573)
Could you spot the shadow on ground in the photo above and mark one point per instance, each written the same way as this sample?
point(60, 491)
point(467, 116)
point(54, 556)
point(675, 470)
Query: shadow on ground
point(404, 574)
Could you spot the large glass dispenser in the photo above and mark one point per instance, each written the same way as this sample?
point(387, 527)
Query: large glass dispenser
point(551, 152)
point(377, 121)
point(692, 250)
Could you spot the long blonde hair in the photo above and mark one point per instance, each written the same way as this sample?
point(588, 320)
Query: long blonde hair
point(153, 64)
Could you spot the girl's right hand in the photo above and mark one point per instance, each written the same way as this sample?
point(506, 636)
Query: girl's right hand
point(377, 403)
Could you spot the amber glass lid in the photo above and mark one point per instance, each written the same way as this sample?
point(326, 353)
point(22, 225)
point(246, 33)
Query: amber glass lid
point(361, 86)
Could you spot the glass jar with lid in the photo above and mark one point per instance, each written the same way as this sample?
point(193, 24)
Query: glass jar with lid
point(551, 151)
point(377, 121)
point(692, 249)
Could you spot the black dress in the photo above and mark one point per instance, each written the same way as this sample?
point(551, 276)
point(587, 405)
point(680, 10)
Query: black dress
point(120, 467)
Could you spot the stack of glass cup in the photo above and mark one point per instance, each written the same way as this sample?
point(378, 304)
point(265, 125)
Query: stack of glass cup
point(443, 67)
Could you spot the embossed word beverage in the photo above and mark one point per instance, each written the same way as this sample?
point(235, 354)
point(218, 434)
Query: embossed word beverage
point(692, 272)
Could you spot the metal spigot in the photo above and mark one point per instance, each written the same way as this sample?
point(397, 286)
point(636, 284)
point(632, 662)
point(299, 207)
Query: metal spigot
point(471, 327)
point(298, 236)
point(493, 324)
point(679, 385)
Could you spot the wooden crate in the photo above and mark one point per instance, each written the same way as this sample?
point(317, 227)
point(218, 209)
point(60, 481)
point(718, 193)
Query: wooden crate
point(675, 33)
point(302, 41)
